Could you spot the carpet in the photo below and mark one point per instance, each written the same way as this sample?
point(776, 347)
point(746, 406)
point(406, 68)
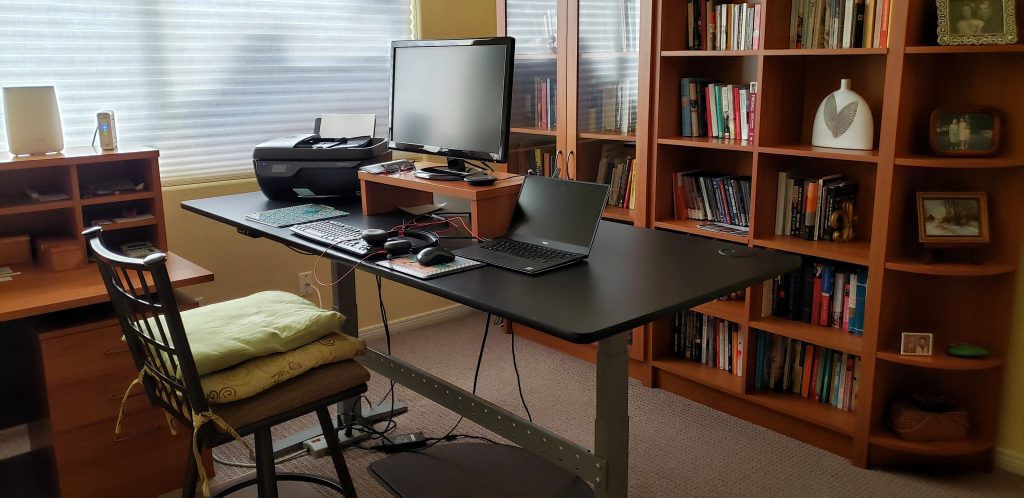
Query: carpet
point(677, 447)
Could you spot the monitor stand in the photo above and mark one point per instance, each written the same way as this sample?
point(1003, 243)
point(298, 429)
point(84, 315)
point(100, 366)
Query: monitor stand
point(455, 171)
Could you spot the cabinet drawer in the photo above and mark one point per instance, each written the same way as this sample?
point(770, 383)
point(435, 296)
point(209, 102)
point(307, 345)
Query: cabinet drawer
point(145, 460)
point(95, 400)
point(84, 354)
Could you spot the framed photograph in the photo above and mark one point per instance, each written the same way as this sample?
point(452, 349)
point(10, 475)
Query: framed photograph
point(915, 344)
point(964, 131)
point(976, 22)
point(952, 219)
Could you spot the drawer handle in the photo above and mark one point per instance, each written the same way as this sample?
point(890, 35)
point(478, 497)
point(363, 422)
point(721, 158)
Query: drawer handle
point(110, 351)
point(146, 432)
point(118, 397)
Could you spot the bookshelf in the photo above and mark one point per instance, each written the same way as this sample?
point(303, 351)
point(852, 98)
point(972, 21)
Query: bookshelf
point(904, 294)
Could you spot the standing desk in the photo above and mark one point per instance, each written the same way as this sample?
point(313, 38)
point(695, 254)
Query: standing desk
point(633, 276)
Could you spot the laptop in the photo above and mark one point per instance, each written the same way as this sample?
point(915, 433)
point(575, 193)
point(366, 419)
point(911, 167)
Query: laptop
point(554, 225)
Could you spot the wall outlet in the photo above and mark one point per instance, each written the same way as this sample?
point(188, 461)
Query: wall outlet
point(305, 283)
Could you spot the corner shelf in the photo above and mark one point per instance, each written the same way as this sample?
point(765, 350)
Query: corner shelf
point(709, 143)
point(690, 226)
point(701, 374)
point(941, 360)
point(867, 156)
point(618, 214)
point(827, 337)
point(925, 161)
point(734, 311)
point(35, 207)
point(987, 269)
point(808, 410)
point(969, 446)
point(966, 49)
point(855, 252)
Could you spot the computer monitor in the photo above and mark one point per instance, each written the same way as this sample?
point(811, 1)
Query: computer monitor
point(452, 98)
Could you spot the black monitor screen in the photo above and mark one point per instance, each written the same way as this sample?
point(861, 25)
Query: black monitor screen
point(451, 97)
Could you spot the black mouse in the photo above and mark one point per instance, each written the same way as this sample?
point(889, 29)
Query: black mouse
point(480, 180)
point(434, 256)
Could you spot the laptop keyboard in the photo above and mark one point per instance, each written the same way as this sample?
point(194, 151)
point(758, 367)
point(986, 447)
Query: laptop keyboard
point(524, 250)
point(340, 235)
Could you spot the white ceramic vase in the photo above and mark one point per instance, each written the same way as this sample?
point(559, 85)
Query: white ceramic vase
point(844, 121)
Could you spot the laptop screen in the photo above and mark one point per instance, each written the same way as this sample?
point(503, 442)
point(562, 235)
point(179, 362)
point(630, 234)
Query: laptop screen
point(559, 213)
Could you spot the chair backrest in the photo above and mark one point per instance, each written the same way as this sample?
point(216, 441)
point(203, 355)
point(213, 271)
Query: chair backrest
point(143, 300)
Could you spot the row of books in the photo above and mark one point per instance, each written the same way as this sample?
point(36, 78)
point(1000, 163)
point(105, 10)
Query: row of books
point(717, 110)
point(700, 195)
point(819, 293)
point(813, 372)
point(804, 205)
point(712, 341)
point(718, 25)
point(839, 24)
point(534, 156)
point(616, 169)
point(612, 108)
point(539, 107)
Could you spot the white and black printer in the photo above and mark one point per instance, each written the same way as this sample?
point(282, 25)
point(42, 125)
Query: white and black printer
point(322, 164)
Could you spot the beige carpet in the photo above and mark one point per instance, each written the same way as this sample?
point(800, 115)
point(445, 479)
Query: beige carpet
point(677, 447)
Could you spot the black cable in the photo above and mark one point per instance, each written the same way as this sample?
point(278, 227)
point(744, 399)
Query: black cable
point(519, 382)
point(387, 335)
point(304, 253)
point(485, 166)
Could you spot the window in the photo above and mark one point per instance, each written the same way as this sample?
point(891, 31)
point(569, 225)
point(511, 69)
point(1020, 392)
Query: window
point(203, 81)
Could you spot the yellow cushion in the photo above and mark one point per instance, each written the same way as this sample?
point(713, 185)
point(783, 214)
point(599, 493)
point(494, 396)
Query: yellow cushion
point(259, 374)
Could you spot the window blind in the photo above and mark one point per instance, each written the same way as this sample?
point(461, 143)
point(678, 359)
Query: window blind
point(203, 81)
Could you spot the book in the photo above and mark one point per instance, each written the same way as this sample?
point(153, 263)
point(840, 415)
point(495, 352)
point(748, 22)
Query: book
point(407, 264)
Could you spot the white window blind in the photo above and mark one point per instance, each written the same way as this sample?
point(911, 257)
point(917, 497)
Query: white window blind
point(203, 81)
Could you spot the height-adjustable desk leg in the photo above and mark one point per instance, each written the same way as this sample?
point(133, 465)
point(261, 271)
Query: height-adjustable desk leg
point(611, 429)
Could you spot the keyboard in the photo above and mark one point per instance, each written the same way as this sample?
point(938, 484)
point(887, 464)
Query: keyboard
point(528, 251)
point(337, 234)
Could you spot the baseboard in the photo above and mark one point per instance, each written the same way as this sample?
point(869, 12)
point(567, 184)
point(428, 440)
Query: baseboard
point(415, 321)
point(1010, 461)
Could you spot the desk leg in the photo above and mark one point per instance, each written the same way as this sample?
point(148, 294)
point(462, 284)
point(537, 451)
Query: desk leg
point(611, 429)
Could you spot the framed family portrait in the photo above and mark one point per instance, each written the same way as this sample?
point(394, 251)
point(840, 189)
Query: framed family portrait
point(916, 344)
point(964, 131)
point(976, 22)
point(952, 219)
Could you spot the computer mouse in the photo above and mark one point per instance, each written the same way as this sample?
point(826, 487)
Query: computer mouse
point(480, 180)
point(434, 256)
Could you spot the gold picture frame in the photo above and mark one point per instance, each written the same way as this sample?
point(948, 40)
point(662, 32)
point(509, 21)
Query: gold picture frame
point(952, 219)
point(916, 343)
point(976, 22)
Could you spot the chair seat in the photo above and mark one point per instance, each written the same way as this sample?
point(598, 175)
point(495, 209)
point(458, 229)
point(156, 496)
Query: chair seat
point(295, 397)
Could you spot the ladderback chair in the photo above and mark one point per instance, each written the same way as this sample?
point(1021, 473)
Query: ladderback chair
point(144, 302)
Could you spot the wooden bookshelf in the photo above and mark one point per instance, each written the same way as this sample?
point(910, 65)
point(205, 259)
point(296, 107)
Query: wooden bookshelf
point(904, 293)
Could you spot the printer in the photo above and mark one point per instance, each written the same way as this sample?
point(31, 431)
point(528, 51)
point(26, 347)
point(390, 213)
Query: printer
point(314, 166)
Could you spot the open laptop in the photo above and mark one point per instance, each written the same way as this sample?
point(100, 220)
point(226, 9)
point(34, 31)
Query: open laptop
point(554, 225)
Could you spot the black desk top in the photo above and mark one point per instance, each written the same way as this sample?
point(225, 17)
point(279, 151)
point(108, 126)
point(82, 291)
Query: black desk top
point(632, 277)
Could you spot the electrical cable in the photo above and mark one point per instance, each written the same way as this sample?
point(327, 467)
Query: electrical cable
point(387, 335)
point(319, 298)
point(279, 461)
point(304, 253)
point(519, 382)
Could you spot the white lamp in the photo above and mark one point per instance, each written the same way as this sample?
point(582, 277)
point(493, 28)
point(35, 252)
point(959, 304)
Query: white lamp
point(33, 120)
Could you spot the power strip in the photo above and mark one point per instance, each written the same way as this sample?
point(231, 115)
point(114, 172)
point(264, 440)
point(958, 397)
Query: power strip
point(316, 447)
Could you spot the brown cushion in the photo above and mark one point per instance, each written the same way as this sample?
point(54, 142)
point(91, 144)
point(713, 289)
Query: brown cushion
point(315, 385)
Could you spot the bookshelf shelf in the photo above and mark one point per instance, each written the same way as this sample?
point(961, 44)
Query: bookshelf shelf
point(618, 213)
point(709, 53)
point(35, 207)
point(855, 252)
point(986, 269)
point(691, 227)
point(828, 337)
point(700, 373)
point(607, 135)
point(129, 224)
point(734, 311)
point(813, 52)
point(708, 143)
point(110, 199)
point(536, 57)
point(923, 161)
point(870, 156)
point(807, 410)
point(533, 131)
point(941, 361)
point(965, 447)
point(966, 49)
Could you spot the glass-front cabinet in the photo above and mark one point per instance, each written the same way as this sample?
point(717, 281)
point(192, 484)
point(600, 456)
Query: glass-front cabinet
point(578, 101)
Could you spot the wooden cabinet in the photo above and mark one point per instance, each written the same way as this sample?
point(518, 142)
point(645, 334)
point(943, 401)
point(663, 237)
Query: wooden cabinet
point(959, 300)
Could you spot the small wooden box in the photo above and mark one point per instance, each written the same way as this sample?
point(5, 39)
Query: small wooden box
point(15, 249)
point(60, 253)
point(914, 424)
